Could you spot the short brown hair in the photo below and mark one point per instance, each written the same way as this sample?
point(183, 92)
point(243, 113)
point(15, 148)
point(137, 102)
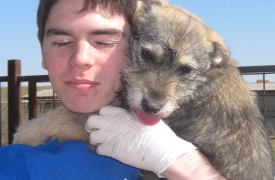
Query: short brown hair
point(120, 7)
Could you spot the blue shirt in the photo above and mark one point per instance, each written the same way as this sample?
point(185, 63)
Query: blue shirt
point(71, 160)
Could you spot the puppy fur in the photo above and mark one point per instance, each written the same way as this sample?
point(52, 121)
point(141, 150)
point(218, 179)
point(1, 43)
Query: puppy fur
point(182, 71)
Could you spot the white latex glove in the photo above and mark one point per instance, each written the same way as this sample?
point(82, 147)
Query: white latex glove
point(121, 136)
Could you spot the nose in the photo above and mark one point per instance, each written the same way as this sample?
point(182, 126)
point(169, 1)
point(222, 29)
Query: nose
point(82, 55)
point(149, 107)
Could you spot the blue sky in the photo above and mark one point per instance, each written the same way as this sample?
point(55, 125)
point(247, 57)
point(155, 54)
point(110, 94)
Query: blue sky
point(247, 27)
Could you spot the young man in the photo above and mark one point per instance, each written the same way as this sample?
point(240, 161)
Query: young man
point(83, 45)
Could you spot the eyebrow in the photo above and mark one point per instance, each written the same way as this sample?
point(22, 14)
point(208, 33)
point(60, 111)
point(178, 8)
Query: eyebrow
point(54, 31)
point(108, 31)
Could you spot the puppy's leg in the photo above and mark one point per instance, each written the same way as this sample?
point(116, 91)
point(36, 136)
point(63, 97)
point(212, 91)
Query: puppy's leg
point(59, 124)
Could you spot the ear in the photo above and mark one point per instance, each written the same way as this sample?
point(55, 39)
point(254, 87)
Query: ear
point(44, 65)
point(219, 54)
point(41, 46)
point(139, 12)
point(40, 41)
point(144, 6)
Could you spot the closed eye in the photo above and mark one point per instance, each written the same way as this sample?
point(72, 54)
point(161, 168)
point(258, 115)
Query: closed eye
point(60, 44)
point(106, 45)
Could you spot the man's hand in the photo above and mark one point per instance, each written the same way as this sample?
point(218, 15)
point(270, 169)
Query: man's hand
point(120, 135)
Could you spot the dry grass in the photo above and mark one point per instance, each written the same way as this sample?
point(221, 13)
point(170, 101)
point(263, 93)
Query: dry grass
point(24, 90)
point(272, 142)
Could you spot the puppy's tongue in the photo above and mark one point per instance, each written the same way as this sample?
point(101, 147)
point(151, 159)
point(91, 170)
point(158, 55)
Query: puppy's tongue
point(147, 119)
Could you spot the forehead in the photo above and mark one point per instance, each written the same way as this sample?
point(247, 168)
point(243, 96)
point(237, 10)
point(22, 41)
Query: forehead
point(69, 6)
point(67, 12)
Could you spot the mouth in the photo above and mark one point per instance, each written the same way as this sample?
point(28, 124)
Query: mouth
point(146, 118)
point(81, 85)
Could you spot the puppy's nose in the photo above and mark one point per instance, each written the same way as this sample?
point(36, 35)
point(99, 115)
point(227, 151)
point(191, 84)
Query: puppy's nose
point(150, 108)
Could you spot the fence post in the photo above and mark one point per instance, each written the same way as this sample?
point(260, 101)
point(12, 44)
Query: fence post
point(32, 99)
point(14, 97)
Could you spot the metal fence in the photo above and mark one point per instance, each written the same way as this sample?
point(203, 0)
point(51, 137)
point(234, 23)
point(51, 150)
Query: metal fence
point(14, 80)
point(266, 94)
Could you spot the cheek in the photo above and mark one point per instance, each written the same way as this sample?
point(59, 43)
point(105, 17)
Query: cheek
point(52, 54)
point(115, 76)
point(53, 62)
point(112, 71)
point(113, 62)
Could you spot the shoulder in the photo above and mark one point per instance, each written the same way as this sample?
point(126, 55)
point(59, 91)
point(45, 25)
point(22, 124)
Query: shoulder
point(70, 160)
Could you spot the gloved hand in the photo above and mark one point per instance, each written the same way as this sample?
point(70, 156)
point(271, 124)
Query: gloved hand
point(120, 135)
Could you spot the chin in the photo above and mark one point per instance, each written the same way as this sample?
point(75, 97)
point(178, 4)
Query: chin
point(86, 105)
point(81, 109)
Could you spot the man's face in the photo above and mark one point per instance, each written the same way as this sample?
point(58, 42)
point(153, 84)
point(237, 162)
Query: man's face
point(83, 53)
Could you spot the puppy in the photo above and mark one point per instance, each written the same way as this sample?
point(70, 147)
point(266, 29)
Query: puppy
point(182, 71)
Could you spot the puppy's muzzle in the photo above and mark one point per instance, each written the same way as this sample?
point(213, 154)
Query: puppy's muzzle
point(150, 108)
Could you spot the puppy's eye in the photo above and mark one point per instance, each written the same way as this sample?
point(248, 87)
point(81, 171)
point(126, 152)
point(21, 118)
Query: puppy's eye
point(184, 70)
point(146, 54)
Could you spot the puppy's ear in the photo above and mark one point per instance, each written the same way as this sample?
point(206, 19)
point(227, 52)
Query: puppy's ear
point(219, 54)
point(139, 11)
point(161, 1)
point(144, 6)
